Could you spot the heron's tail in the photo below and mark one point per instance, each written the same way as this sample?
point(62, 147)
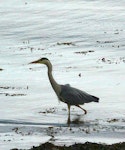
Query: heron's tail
point(96, 99)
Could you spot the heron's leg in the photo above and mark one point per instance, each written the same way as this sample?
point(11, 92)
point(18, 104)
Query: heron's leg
point(68, 121)
point(68, 110)
point(82, 109)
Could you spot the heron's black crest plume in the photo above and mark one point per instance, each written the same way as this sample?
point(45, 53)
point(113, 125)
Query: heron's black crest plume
point(44, 58)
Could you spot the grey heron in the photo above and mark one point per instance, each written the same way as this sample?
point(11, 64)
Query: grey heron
point(66, 93)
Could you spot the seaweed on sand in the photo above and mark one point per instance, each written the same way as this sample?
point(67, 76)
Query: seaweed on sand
point(85, 146)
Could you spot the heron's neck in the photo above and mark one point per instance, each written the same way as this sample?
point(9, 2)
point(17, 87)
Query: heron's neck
point(54, 84)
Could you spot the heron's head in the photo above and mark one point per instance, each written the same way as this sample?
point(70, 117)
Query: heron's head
point(40, 61)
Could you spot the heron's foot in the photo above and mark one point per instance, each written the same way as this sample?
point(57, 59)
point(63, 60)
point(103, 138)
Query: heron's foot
point(85, 112)
point(82, 109)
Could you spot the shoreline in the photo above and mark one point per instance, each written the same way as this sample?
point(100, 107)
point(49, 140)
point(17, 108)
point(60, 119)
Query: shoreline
point(79, 146)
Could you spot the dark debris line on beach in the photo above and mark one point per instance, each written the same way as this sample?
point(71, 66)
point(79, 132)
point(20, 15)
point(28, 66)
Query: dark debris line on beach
point(86, 146)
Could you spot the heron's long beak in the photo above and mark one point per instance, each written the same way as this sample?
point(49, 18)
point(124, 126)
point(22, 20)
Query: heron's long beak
point(34, 62)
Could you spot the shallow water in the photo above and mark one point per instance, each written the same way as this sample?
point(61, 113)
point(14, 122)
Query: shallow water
point(85, 42)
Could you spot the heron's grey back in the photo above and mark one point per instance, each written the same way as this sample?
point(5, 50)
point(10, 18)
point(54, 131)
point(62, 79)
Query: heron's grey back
point(75, 96)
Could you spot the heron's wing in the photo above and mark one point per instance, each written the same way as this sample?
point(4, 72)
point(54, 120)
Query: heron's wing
point(75, 96)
